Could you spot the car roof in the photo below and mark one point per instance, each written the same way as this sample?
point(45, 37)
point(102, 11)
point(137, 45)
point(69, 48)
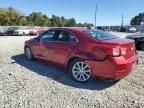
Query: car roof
point(72, 28)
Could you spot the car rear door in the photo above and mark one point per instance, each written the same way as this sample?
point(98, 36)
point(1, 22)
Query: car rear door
point(62, 47)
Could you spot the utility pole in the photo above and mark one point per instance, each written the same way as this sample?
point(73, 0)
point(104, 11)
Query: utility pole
point(122, 23)
point(96, 8)
point(122, 29)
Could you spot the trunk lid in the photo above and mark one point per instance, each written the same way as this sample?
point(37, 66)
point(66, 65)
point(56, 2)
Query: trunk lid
point(122, 43)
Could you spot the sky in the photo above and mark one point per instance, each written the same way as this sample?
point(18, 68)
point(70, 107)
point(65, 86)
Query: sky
point(109, 11)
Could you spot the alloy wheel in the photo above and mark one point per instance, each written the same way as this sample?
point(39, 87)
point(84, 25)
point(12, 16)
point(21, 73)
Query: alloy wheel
point(81, 71)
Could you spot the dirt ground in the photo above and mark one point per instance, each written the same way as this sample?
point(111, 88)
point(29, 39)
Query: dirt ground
point(34, 84)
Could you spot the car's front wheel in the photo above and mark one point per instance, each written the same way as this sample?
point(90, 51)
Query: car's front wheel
point(28, 53)
point(80, 71)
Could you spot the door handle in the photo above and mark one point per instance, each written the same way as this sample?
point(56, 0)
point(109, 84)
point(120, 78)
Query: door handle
point(40, 55)
point(48, 47)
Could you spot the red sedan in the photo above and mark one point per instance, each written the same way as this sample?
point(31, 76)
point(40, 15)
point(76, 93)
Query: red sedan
point(85, 53)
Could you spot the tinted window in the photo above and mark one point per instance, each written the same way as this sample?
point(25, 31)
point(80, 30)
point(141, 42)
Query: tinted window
point(100, 35)
point(65, 36)
point(48, 36)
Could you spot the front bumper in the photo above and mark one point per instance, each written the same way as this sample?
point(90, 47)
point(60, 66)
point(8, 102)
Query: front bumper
point(113, 67)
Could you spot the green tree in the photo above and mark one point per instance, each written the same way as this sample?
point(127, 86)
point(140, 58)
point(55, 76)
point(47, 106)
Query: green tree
point(80, 25)
point(39, 19)
point(53, 24)
point(71, 23)
point(90, 25)
point(137, 19)
point(9, 16)
point(57, 21)
point(12, 17)
point(22, 21)
point(63, 21)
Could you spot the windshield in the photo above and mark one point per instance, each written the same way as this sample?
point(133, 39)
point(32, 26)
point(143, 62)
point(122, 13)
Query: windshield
point(100, 35)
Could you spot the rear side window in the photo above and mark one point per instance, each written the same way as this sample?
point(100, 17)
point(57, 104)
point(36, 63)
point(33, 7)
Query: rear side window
point(66, 36)
point(100, 35)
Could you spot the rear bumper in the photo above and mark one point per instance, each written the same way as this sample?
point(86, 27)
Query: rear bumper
point(17, 33)
point(113, 67)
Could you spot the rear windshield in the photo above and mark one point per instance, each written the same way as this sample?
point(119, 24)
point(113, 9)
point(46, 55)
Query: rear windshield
point(100, 35)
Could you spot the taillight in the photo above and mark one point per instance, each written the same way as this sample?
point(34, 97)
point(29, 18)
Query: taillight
point(119, 51)
point(116, 52)
point(123, 51)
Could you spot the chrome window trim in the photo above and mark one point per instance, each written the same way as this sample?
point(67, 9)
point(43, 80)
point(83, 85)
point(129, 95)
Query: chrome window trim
point(66, 31)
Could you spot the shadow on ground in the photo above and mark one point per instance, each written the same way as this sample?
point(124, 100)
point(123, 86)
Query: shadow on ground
point(59, 75)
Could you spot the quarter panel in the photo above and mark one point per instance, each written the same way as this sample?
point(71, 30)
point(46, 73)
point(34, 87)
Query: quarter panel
point(90, 52)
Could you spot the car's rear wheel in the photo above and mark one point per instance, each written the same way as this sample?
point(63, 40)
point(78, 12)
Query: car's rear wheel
point(141, 46)
point(80, 71)
point(28, 53)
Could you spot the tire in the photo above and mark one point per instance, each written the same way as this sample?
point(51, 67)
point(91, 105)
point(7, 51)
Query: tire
point(141, 46)
point(23, 33)
point(80, 71)
point(28, 53)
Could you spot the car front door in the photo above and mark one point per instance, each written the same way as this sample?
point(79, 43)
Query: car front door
point(40, 47)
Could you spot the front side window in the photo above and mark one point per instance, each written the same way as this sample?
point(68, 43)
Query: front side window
point(100, 35)
point(48, 36)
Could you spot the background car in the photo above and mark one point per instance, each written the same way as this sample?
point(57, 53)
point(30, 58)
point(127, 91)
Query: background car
point(10, 31)
point(1, 31)
point(36, 31)
point(132, 30)
point(139, 39)
point(22, 31)
point(85, 53)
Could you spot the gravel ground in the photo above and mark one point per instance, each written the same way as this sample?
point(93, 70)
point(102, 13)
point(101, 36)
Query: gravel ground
point(34, 84)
